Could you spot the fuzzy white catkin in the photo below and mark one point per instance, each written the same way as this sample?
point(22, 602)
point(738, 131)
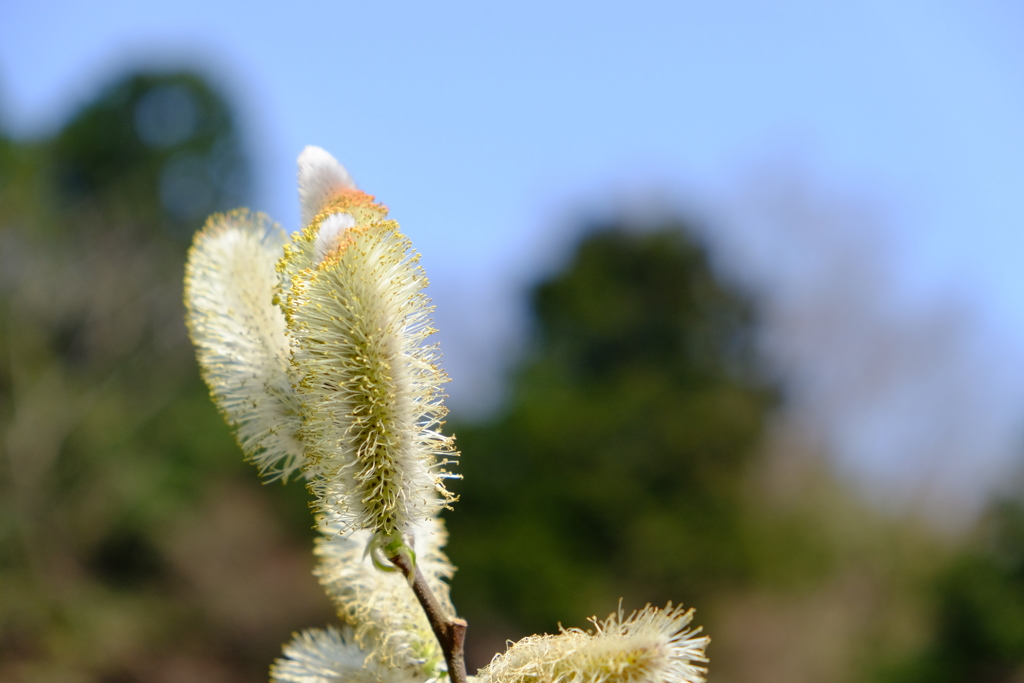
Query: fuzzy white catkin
point(330, 656)
point(650, 646)
point(388, 622)
point(315, 351)
point(240, 336)
point(369, 386)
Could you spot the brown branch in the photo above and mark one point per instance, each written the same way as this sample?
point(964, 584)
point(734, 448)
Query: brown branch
point(450, 632)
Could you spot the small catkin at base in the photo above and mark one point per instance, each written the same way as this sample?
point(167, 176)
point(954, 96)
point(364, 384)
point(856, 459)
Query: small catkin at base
point(388, 622)
point(331, 656)
point(651, 646)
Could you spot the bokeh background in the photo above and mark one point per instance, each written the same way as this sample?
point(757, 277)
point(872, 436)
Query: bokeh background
point(730, 294)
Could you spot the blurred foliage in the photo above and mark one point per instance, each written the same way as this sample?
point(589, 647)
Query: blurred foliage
point(620, 458)
point(115, 467)
point(162, 150)
point(631, 459)
point(978, 610)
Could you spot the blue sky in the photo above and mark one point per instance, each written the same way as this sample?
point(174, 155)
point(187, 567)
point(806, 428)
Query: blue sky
point(490, 128)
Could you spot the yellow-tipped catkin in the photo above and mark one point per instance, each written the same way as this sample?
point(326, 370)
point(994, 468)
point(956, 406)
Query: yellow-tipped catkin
point(315, 352)
point(651, 646)
point(240, 336)
point(368, 385)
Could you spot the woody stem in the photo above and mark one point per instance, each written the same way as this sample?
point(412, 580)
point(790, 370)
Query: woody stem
point(450, 632)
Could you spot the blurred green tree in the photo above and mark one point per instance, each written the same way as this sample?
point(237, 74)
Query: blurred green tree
point(631, 459)
point(620, 460)
point(161, 148)
point(978, 610)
